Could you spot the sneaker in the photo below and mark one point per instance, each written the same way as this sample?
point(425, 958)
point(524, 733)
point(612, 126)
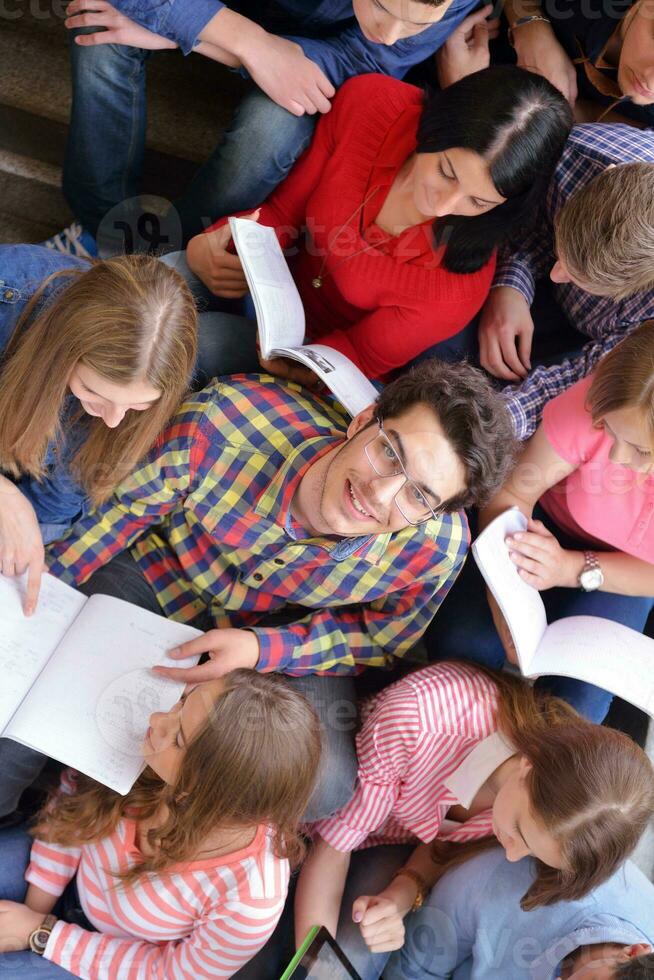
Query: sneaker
point(74, 240)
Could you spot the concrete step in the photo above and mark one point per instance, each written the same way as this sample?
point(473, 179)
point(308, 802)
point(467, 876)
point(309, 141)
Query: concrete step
point(189, 99)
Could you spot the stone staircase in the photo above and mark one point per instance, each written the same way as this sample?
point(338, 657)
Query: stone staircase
point(189, 102)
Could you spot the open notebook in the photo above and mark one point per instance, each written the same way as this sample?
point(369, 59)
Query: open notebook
point(76, 683)
point(599, 651)
point(280, 316)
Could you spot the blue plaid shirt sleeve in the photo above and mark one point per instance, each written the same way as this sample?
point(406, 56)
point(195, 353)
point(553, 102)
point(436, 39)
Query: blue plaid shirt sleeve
point(526, 401)
point(520, 269)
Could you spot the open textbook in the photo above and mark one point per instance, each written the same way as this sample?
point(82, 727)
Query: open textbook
point(76, 683)
point(607, 654)
point(280, 316)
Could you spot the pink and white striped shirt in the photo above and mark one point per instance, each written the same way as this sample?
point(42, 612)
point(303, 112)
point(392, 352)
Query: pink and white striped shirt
point(427, 742)
point(199, 919)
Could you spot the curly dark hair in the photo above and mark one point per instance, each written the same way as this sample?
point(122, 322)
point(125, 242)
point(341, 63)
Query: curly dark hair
point(639, 968)
point(474, 418)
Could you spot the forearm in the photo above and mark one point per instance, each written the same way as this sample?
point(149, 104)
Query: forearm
point(232, 34)
point(515, 9)
point(40, 900)
point(216, 53)
point(320, 889)
point(402, 889)
point(623, 574)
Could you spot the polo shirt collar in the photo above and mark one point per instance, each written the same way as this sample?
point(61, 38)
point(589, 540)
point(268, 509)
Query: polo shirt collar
point(466, 781)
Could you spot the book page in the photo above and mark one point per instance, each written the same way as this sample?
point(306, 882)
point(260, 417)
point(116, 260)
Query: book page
point(337, 371)
point(607, 654)
point(521, 604)
point(27, 642)
point(280, 314)
point(90, 706)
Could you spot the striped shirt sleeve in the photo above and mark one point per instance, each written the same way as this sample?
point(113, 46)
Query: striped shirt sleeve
point(386, 746)
point(52, 866)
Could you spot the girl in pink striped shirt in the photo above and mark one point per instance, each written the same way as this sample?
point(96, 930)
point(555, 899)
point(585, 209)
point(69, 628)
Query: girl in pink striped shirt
point(460, 752)
point(186, 876)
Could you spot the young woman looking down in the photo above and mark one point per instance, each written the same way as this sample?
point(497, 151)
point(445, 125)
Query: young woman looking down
point(457, 752)
point(94, 359)
point(186, 876)
point(391, 218)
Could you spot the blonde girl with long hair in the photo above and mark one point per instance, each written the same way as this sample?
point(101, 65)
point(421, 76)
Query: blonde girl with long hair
point(187, 875)
point(585, 481)
point(94, 359)
point(456, 756)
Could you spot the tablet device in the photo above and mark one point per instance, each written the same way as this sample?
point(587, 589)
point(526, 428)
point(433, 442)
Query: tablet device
point(320, 958)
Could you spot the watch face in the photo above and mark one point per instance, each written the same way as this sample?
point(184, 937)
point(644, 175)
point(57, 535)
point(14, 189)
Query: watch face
point(591, 579)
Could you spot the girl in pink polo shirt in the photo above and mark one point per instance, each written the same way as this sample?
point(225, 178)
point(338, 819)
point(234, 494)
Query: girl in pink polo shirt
point(585, 481)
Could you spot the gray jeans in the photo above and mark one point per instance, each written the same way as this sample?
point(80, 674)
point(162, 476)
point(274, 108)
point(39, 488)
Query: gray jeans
point(332, 697)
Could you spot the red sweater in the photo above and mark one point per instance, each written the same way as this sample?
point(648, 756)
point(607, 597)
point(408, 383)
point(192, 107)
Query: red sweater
point(384, 305)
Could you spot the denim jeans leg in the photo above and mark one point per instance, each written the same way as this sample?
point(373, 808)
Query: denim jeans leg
point(334, 700)
point(106, 141)
point(371, 870)
point(19, 767)
point(253, 156)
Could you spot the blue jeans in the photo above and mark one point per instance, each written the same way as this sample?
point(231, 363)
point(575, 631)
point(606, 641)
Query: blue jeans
point(104, 156)
point(15, 845)
point(227, 335)
point(464, 626)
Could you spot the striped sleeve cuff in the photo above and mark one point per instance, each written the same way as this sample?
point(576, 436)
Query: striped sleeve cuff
point(516, 276)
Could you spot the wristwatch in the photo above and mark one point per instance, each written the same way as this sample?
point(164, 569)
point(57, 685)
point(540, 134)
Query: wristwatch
point(423, 888)
point(525, 20)
point(39, 937)
point(591, 576)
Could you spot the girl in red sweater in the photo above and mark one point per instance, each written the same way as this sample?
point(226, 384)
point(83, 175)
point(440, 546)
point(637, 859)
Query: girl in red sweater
point(390, 220)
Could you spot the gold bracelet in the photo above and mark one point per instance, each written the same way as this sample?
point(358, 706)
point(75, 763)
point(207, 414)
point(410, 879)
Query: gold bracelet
point(417, 879)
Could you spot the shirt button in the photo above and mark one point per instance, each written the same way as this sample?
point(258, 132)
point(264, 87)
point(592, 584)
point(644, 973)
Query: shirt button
point(258, 577)
point(278, 561)
point(9, 294)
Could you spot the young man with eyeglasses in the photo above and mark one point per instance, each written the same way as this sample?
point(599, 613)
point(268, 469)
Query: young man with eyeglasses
point(262, 501)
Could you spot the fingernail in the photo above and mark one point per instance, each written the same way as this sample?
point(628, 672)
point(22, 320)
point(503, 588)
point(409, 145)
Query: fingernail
point(357, 917)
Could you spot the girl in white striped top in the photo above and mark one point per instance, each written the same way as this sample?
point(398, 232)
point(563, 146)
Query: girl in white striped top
point(186, 876)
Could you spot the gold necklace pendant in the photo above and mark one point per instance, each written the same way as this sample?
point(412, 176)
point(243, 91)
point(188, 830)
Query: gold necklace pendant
point(316, 282)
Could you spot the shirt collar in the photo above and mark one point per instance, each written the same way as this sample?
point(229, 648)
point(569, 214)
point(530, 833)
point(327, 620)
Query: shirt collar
point(274, 504)
point(466, 781)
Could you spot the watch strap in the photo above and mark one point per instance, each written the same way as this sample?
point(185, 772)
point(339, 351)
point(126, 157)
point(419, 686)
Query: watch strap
point(38, 939)
point(521, 21)
point(423, 887)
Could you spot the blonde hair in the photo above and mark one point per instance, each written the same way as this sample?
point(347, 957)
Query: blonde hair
point(592, 789)
point(128, 319)
point(624, 378)
point(605, 231)
point(253, 762)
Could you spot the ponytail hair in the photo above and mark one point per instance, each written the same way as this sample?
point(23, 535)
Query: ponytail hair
point(591, 788)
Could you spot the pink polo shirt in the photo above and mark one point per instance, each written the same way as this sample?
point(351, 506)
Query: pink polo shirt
point(603, 503)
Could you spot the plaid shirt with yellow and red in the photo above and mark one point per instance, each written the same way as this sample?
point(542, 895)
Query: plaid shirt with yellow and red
point(207, 518)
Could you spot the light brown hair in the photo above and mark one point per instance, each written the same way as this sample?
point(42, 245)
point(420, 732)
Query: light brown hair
point(590, 787)
point(624, 378)
point(605, 231)
point(253, 762)
point(129, 319)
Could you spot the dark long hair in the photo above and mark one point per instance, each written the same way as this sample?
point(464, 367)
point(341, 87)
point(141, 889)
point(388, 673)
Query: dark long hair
point(518, 122)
